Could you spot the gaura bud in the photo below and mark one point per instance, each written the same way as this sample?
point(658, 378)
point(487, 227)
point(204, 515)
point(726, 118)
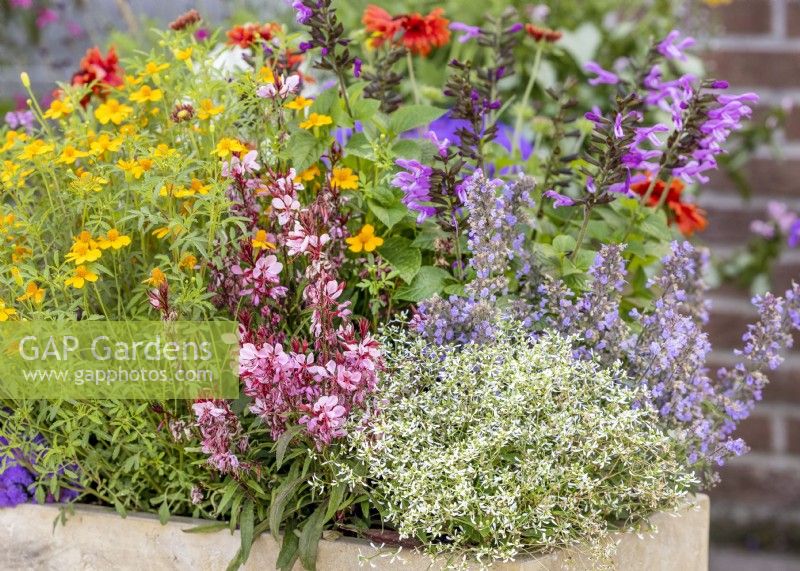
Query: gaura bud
point(25, 79)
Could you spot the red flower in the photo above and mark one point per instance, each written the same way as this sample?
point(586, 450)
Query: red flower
point(540, 33)
point(246, 35)
point(688, 217)
point(417, 33)
point(103, 72)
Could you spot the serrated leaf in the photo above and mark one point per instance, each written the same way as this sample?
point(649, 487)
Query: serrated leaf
point(402, 256)
point(389, 215)
point(429, 281)
point(303, 150)
point(413, 116)
point(564, 243)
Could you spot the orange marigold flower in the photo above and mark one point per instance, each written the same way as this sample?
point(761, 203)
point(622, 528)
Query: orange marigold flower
point(417, 33)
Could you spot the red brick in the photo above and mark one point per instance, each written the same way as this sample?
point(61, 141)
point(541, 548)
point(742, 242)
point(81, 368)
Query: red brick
point(779, 69)
point(730, 227)
point(757, 432)
point(746, 17)
point(725, 329)
point(766, 177)
point(793, 433)
point(793, 18)
point(770, 485)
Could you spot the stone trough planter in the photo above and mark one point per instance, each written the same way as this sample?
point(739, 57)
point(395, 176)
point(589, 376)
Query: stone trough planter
point(97, 538)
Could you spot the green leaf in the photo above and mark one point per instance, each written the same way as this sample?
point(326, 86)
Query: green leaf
point(163, 513)
point(279, 502)
point(335, 500)
point(389, 215)
point(288, 553)
point(412, 116)
point(207, 528)
point(581, 43)
point(402, 256)
point(246, 528)
point(325, 101)
point(283, 443)
point(304, 150)
point(428, 282)
point(564, 243)
point(364, 109)
point(309, 539)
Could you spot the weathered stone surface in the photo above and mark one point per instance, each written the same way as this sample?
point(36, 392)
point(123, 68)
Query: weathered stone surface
point(96, 538)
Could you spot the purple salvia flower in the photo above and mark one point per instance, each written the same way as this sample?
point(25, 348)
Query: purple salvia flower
point(467, 32)
point(302, 12)
point(415, 183)
point(603, 76)
point(673, 46)
point(559, 199)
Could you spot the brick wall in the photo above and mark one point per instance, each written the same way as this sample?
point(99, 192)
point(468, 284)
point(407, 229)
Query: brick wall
point(758, 49)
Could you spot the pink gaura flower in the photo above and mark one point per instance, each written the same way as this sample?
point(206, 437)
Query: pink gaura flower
point(281, 88)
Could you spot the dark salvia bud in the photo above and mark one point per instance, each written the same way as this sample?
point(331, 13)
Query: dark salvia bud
point(185, 20)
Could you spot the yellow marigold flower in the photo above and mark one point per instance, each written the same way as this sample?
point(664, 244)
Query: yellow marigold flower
point(365, 240)
point(70, 154)
point(228, 146)
point(105, 143)
point(197, 187)
point(260, 241)
point(114, 111)
point(160, 233)
point(85, 236)
point(11, 138)
point(20, 252)
point(316, 120)
point(132, 80)
point(34, 292)
point(35, 149)
point(147, 93)
point(309, 174)
point(6, 312)
point(113, 239)
point(344, 178)
point(136, 167)
point(266, 75)
point(127, 130)
point(87, 182)
point(207, 109)
point(153, 68)
point(83, 252)
point(188, 262)
point(59, 108)
point(183, 55)
point(157, 277)
point(79, 278)
point(16, 274)
point(12, 171)
point(299, 103)
point(163, 150)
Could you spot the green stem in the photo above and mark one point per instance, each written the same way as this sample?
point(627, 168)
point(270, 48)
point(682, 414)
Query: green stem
point(526, 97)
point(587, 211)
point(412, 77)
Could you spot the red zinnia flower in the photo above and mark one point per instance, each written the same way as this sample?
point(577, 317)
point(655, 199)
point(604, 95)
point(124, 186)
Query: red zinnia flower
point(418, 34)
point(104, 72)
point(688, 217)
point(248, 34)
point(540, 33)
